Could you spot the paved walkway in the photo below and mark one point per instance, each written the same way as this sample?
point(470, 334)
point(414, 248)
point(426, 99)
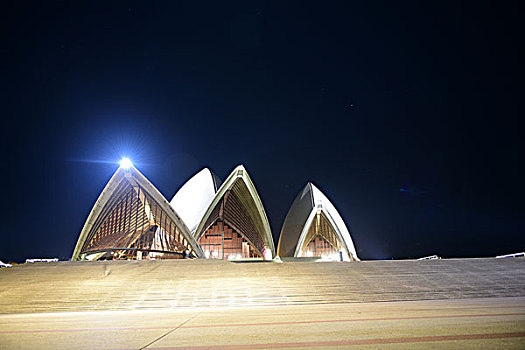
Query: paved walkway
point(445, 324)
point(455, 304)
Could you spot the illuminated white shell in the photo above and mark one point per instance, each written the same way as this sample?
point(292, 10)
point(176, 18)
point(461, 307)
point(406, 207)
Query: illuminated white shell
point(303, 210)
point(194, 197)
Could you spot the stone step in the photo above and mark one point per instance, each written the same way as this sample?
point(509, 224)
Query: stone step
point(128, 285)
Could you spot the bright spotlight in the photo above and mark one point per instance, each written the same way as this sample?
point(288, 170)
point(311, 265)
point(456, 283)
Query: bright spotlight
point(125, 163)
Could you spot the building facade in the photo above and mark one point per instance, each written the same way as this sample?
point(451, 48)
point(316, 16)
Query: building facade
point(235, 224)
point(132, 220)
point(314, 228)
point(206, 218)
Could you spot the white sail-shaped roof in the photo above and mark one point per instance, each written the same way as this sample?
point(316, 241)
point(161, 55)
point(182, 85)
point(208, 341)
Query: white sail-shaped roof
point(306, 205)
point(239, 185)
point(194, 197)
point(131, 215)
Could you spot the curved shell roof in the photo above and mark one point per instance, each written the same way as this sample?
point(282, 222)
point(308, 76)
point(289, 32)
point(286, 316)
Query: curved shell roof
point(307, 203)
point(239, 182)
point(111, 193)
point(194, 197)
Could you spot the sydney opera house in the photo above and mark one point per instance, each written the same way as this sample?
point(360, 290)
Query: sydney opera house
point(207, 218)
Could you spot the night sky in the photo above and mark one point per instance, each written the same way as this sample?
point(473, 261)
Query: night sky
point(408, 116)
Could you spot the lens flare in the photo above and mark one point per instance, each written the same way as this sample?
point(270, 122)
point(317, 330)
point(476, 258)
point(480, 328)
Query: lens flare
point(125, 163)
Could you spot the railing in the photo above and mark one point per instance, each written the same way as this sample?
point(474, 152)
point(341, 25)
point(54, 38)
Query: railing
point(515, 255)
point(431, 257)
point(41, 260)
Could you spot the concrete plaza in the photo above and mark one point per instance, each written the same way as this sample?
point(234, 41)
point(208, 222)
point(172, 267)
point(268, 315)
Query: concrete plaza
point(491, 323)
point(454, 304)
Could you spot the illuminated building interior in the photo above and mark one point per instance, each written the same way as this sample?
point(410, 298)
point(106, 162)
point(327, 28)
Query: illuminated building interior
point(207, 218)
point(131, 220)
point(314, 228)
point(235, 225)
point(321, 239)
point(221, 241)
point(230, 232)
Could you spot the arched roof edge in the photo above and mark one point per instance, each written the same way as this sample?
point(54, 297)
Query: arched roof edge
point(108, 191)
point(240, 172)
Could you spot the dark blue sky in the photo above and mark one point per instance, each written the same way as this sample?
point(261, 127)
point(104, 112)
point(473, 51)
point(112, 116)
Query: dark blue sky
point(408, 116)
